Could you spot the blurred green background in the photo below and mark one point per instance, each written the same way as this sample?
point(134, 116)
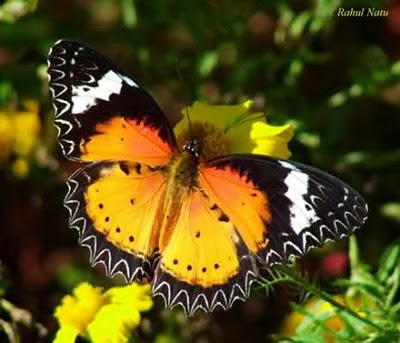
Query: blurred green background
point(336, 79)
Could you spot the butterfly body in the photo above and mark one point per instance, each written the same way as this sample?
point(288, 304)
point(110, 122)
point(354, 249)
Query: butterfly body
point(181, 175)
point(196, 221)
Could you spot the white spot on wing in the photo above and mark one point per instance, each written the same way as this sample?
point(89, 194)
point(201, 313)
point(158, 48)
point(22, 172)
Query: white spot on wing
point(85, 97)
point(302, 214)
point(129, 81)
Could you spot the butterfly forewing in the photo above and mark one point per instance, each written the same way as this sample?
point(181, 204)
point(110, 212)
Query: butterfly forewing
point(103, 114)
point(282, 208)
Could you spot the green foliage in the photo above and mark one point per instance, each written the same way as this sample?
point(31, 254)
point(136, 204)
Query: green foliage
point(13, 318)
point(12, 10)
point(370, 311)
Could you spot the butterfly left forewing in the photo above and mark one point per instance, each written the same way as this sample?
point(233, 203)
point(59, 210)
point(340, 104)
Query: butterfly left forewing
point(204, 262)
point(101, 113)
point(281, 208)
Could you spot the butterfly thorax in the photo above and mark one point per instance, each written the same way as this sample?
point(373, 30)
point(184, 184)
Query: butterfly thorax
point(204, 140)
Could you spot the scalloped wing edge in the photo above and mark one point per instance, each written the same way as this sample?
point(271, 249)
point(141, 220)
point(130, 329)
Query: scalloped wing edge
point(326, 234)
point(102, 252)
point(191, 298)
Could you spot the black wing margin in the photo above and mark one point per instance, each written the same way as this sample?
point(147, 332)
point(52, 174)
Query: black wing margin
point(308, 206)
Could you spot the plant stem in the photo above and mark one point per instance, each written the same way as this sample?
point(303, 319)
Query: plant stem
point(296, 278)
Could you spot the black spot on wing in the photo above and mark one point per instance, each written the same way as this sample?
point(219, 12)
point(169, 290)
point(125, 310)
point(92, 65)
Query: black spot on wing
point(193, 297)
point(133, 267)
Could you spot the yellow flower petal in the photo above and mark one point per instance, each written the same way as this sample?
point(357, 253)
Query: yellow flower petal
point(103, 317)
point(258, 137)
point(135, 296)
point(6, 136)
point(78, 311)
point(221, 116)
point(66, 334)
point(317, 307)
point(244, 132)
point(114, 323)
point(19, 133)
point(20, 168)
point(26, 126)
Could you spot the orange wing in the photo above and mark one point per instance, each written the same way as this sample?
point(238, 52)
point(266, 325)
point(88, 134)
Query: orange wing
point(101, 113)
point(124, 139)
point(239, 198)
point(204, 262)
point(115, 206)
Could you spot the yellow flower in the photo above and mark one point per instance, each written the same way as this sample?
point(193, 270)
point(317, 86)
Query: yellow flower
point(6, 137)
point(19, 134)
point(232, 129)
point(103, 317)
point(323, 310)
point(26, 126)
point(76, 312)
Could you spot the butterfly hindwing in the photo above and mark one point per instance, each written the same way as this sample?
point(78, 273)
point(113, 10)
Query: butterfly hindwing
point(204, 262)
point(101, 113)
point(114, 206)
point(281, 208)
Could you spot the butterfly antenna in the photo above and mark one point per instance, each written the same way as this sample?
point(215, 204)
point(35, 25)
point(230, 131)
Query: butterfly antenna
point(246, 120)
point(178, 69)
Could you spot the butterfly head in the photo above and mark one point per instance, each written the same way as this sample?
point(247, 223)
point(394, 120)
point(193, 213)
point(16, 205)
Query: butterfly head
point(193, 147)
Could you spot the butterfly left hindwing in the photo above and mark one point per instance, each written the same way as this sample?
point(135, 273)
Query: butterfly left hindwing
point(102, 200)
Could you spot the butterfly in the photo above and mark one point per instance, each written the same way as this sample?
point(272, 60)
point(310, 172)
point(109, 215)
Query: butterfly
point(199, 229)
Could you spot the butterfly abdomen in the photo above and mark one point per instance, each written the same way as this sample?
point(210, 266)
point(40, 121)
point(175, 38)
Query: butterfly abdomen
point(181, 177)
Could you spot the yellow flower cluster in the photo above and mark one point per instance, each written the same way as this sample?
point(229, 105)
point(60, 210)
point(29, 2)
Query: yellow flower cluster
point(19, 133)
point(102, 317)
point(321, 308)
point(243, 132)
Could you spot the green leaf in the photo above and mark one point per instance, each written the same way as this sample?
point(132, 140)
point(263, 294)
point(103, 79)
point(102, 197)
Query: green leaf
point(129, 13)
point(207, 63)
point(391, 210)
point(299, 24)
